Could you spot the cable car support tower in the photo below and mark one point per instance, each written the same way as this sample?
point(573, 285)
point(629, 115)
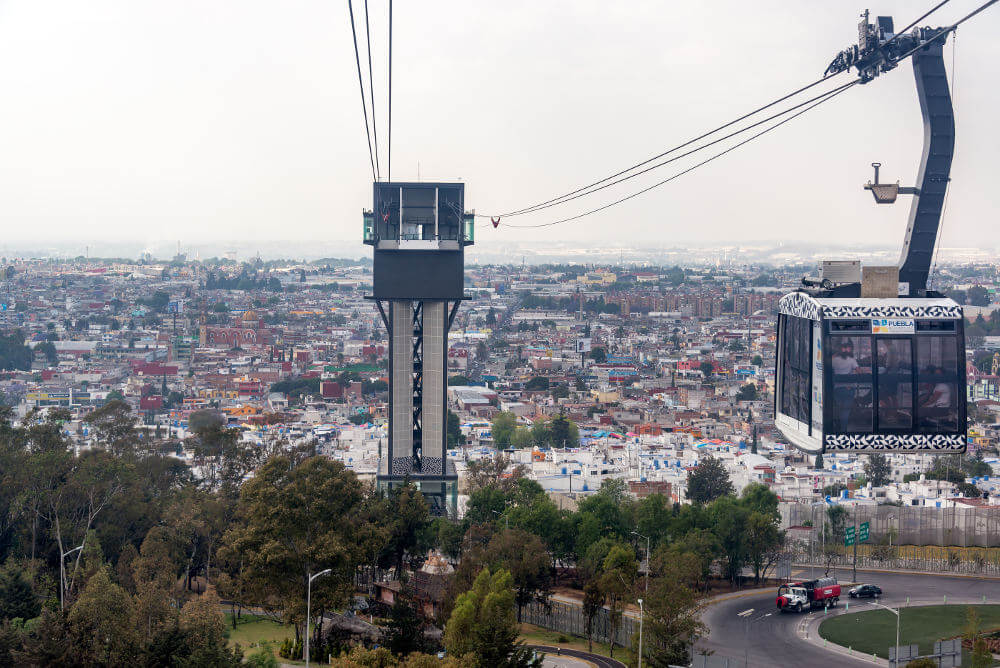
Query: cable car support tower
point(869, 358)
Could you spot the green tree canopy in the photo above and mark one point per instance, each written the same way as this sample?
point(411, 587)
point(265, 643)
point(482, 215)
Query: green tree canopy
point(708, 481)
point(483, 624)
point(297, 519)
point(503, 427)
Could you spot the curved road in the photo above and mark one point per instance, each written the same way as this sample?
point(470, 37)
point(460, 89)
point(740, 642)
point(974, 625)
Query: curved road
point(773, 640)
point(594, 659)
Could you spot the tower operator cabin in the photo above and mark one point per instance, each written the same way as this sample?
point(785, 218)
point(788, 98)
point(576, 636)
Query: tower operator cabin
point(419, 232)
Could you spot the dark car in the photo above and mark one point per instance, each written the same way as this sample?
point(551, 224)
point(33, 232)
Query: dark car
point(861, 591)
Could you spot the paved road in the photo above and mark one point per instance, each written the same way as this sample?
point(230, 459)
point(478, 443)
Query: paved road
point(773, 640)
point(593, 659)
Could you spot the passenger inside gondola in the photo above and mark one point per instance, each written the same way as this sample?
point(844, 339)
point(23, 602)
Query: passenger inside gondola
point(852, 384)
point(895, 384)
point(937, 374)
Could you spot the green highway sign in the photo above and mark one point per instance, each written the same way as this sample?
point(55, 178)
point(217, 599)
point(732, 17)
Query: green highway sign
point(849, 536)
point(863, 533)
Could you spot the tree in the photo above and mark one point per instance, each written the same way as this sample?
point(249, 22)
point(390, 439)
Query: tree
point(836, 522)
point(747, 393)
point(672, 618)
point(524, 556)
point(981, 656)
point(297, 519)
point(14, 355)
point(102, 625)
point(699, 545)
point(763, 538)
point(877, 470)
point(729, 521)
point(563, 433)
point(483, 624)
point(593, 603)
point(458, 381)
point(404, 634)
point(599, 355)
point(706, 368)
point(537, 383)
point(503, 427)
point(619, 573)
point(204, 633)
point(114, 427)
point(407, 519)
point(158, 302)
point(48, 349)
point(708, 481)
point(757, 360)
point(455, 435)
point(818, 462)
point(977, 295)
point(494, 472)
point(225, 458)
point(17, 594)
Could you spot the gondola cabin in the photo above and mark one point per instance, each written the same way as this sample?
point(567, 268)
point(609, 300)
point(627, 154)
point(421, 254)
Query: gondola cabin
point(864, 375)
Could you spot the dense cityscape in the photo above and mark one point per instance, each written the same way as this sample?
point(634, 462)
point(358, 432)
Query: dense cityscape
point(599, 418)
point(614, 357)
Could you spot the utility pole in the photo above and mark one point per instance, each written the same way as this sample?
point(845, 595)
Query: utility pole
point(854, 577)
point(309, 607)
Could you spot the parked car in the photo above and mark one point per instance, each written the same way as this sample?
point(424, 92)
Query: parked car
point(869, 590)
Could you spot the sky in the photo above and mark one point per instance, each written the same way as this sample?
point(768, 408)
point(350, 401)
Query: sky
point(205, 120)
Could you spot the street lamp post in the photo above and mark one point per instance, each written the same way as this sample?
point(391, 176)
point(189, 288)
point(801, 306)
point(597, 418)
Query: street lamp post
point(746, 614)
point(506, 520)
point(309, 606)
point(647, 558)
point(640, 633)
point(895, 612)
point(62, 576)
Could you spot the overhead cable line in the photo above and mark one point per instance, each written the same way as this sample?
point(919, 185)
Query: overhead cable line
point(687, 153)
point(915, 22)
point(569, 196)
point(371, 91)
point(781, 99)
point(364, 105)
point(951, 28)
point(829, 96)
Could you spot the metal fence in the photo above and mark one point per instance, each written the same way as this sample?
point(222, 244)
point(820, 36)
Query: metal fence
point(569, 619)
point(910, 525)
point(952, 560)
point(712, 661)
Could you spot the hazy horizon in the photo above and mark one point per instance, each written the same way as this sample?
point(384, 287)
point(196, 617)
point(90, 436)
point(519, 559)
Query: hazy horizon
point(194, 121)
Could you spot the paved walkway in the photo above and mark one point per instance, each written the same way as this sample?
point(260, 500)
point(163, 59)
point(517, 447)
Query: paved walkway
point(581, 657)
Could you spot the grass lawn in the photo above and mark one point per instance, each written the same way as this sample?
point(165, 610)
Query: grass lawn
point(873, 631)
point(536, 635)
point(254, 629)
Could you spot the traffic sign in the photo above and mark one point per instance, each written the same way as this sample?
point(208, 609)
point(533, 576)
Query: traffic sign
point(849, 536)
point(863, 533)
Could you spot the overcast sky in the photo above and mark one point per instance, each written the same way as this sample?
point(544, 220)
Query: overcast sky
point(241, 119)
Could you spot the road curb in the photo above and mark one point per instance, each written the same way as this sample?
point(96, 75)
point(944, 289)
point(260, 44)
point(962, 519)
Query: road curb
point(729, 596)
point(808, 629)
point(596, 660)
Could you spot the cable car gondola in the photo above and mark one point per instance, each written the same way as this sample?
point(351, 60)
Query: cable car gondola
point(869, 359)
